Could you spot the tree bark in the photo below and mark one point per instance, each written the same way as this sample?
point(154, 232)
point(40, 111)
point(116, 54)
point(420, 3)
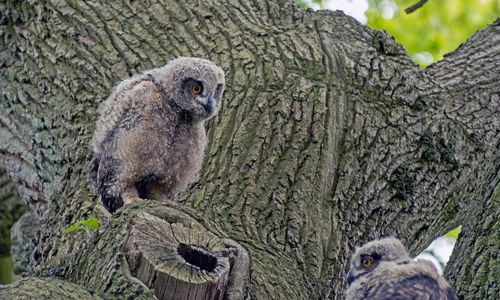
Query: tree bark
point(329, 136)
point(49, 288)
point(11, 209)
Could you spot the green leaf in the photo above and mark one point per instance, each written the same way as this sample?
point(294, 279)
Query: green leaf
point(454, 233)
point(92, 223)
point(73, 228)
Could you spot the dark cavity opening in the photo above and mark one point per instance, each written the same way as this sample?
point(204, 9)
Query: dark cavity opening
point(198, 257)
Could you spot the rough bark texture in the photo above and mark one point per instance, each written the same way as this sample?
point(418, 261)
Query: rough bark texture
point(24, 236)
point(46, 288)
point(329, 136)
point(11, 209)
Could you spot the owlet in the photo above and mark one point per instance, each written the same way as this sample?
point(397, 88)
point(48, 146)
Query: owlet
point(382, 269)
point(150, 137)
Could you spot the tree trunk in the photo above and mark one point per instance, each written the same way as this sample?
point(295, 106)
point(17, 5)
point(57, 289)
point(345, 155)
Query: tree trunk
point(11, 209)
point(329, 136)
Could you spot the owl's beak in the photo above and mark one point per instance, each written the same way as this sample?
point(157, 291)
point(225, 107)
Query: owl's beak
point(208, 105)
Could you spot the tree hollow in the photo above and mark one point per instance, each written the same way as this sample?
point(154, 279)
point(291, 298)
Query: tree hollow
point(197, 257)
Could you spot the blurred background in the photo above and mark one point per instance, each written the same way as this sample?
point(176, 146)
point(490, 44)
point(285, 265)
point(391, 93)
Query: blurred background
point(428, 33)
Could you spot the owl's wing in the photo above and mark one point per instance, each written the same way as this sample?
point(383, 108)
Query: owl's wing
point(121, 104)
point(415, 287)
point(103, 170)
point(108, 168)
point(121, 114)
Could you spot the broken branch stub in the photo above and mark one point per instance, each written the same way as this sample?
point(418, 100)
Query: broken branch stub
point(178, 260)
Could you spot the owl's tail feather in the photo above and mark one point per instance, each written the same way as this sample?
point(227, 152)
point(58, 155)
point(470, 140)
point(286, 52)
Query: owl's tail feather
point(102, 176)
point(93, 169)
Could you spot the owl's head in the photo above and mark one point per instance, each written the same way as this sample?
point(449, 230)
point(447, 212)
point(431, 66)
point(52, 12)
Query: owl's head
point(193, 85)
point(370, 255)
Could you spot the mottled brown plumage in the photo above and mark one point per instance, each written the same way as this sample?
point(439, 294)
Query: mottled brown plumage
point(150, 137)
point(382, 269)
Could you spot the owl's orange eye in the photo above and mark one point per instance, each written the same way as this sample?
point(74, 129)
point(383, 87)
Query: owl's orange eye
point(196, 89)
point(366, 262)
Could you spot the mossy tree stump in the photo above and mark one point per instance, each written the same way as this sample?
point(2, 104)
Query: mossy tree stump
point(178, 261)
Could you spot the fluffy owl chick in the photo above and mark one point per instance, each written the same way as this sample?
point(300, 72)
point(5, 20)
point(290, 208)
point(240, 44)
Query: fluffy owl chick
point(382, 269)
point(150, 136)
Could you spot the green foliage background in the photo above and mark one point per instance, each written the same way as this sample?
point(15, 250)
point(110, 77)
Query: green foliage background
point(438, 27)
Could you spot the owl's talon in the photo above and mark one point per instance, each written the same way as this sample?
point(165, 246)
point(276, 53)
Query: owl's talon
point(130, 200)
point(130, 195)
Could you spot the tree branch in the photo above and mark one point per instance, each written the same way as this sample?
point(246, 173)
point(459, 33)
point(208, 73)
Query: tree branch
point(415, 6)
